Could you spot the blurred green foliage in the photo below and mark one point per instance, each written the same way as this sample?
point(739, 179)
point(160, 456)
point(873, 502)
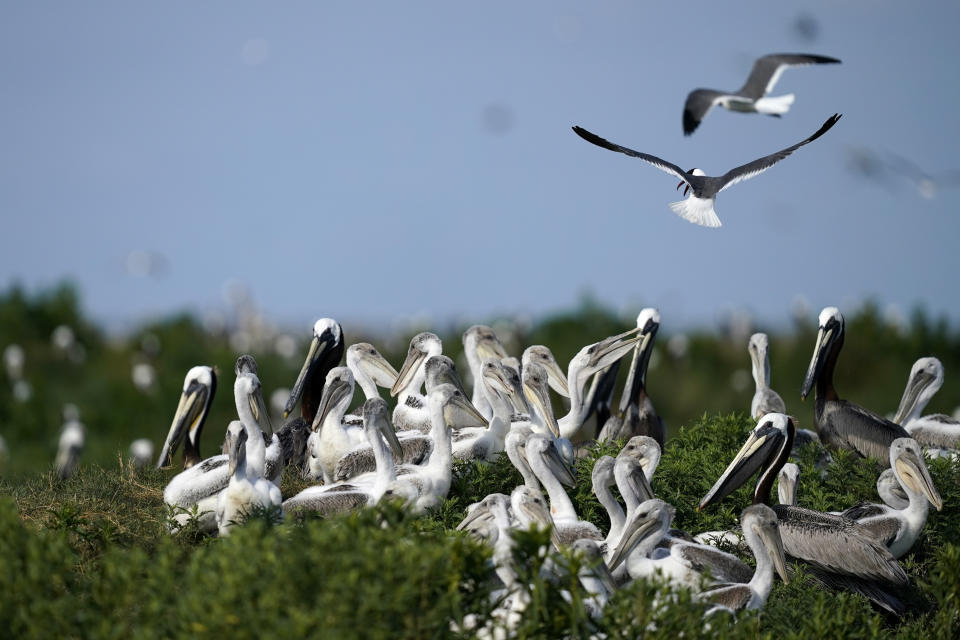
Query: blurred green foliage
point(712, 374)
point(90, 557)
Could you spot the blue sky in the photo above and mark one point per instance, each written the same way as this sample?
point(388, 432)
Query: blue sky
point(375, 160)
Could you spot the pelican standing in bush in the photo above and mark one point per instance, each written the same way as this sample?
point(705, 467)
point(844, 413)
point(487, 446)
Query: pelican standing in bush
point(247, 489)
point(842, 424)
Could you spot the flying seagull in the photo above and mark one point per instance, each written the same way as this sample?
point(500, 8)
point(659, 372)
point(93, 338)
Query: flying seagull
point(750, 97)
point(698, 207)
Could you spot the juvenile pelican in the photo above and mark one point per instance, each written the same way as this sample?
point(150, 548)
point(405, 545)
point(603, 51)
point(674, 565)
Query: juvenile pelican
point(201, 484)
point(898, 529)
point(410, 412)
point(545, 358)
point(587, 362)
point(568, 524)
point(765, 400)
point(842, 424)
point(427, 487)
point(477, 443)
point(760, 529)
point(479, 343)
point(247, 488)
point(346, 496)
point(636, 415)
point(199, 387)
point(834, 545)
point(681, 563)
point(890, 491)
point(602, 478)
point(937, 430)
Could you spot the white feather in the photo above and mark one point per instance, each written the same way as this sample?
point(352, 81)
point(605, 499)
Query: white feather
point(697, 210)
point(777, 106)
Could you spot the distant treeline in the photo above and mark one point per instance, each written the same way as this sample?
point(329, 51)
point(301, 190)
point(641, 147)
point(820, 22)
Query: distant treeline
point(66, 358)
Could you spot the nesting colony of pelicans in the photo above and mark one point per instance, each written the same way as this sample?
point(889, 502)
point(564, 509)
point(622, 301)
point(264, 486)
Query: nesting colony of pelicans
point(407, 455)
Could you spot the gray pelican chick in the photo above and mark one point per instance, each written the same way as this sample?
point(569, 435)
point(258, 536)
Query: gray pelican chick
point(842, 424)
point(937, 430)
point(760, 529)
point(346, 496)
point(479, 343)
point(898, 529)
point(247, 488)
point(765, 400)
point(477, 443)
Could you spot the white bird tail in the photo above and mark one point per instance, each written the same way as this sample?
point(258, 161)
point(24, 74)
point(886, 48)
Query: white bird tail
point(697, 210)
point(774, 106)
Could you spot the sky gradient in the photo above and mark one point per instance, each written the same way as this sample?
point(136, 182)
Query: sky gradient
point(372, 161)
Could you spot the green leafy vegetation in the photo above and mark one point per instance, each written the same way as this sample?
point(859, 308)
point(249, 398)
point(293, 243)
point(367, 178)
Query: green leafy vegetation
point(91, 556)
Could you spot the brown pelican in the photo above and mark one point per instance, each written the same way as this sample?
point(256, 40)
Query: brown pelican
point(588, 361)
point(752, 96)
point(324, 353)
point(838, 548)
point(898, 529)
point(765, 400)
point(479, 343)
point(938, 430)
point(698, 207)
point(842, 424)
point(199, 387)
point(636, 415)
point(346, 496)
point(759, 525)
point(72, 437)
point(247, 488)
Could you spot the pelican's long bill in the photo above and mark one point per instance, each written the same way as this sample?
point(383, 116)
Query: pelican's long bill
point(913, 472)
point(640, 525)
point(539, 398)
point(191, 409)
point(334, 391)
point(459, 410)
point(759, 449)
point(321, 347)
point(826, 335)
point(774, 546)
point(915, 386)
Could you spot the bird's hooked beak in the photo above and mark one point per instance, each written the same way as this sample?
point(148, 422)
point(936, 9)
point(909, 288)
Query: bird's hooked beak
point(914, 474)
point(409, 369)
point(320, 347)
point(770, 535)
point(760, 447)
point(635, 531)
point(459, 410)
point(386, 430)
point(826, 336)
point(333, 394)
point(237, 449)
point(630, 471)
point(258, 407)
point(911, 394)
point(382, 372)
point(609, 350)
point(556, 377)
point(539, 398)
point(191, 409)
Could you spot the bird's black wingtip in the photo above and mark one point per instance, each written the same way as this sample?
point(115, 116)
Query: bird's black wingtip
point(690, 123)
